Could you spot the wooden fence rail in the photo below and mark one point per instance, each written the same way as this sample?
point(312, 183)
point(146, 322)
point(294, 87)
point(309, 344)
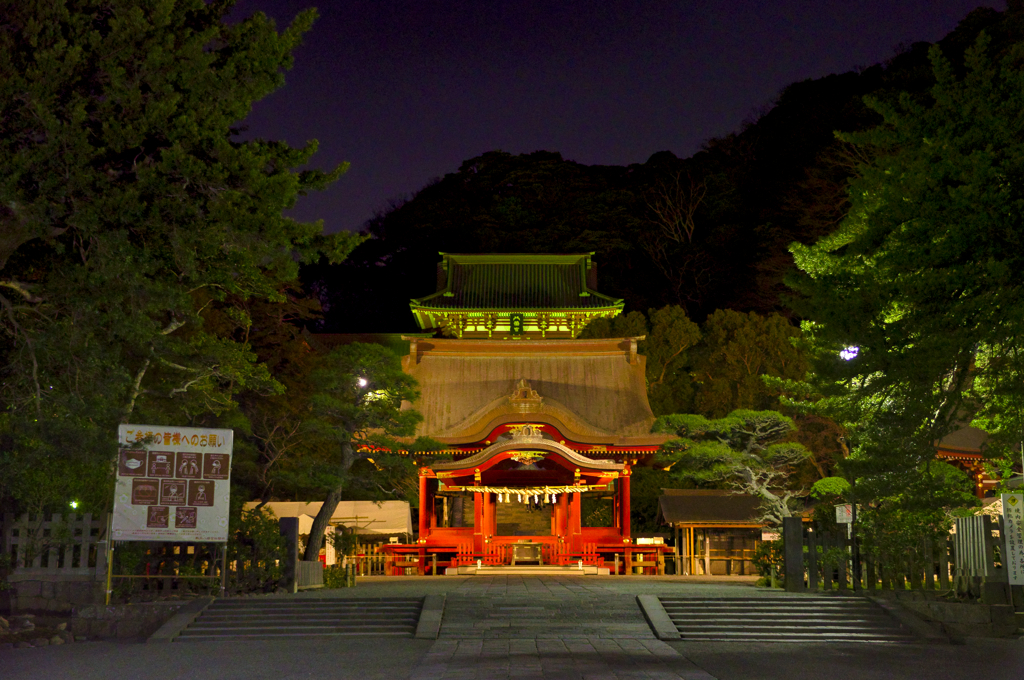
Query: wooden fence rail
point(70, 544)
point(821, 559)
point(832, 563)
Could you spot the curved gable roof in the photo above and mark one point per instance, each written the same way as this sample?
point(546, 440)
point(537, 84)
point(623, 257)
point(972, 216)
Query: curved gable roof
point(532, 443)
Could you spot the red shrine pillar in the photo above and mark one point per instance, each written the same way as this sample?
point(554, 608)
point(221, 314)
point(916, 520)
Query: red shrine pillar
point(616, 512)
point(560, 522)
point(575, 523)
point(424, 525)
point(624, 522)
point(424, 512)
point(624, 503)
point(478, 522)
point(489, 525)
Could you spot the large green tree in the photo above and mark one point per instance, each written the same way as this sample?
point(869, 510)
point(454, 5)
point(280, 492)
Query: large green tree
point(920, 288)
point(129, 209)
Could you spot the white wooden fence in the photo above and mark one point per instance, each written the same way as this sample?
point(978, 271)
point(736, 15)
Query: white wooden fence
point(71, 545)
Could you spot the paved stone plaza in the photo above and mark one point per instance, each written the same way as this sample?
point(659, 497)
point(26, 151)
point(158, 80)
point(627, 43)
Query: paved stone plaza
point(550, 628)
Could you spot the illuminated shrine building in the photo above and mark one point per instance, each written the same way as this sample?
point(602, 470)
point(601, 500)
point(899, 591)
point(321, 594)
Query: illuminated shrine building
point(538, 419)
point(524, 297)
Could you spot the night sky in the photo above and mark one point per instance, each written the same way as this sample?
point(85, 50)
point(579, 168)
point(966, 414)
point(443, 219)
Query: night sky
point(406, 91)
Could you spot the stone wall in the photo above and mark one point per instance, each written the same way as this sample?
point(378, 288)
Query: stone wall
point(52, 594)
point(966, 619)
point(123, 620)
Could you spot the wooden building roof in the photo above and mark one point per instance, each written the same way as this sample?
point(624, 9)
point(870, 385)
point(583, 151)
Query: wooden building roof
point(591, 390)
point(516, 281)
point(478, 296)
point(709, 507)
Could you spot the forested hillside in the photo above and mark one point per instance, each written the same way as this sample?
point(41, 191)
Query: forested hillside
point(706, 232)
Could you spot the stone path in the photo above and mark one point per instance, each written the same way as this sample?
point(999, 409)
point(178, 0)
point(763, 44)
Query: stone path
point(547, 627)
point(517, 607)
point(555, 659)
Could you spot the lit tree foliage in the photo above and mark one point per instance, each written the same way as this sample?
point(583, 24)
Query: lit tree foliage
point(923, 276)
point(746, 450)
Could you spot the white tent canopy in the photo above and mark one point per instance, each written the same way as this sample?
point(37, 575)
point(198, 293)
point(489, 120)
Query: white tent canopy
point(363, 517)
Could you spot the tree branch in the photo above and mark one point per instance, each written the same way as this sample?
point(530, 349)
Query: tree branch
point(136, 389)
point(22, 290)
point(31, 350)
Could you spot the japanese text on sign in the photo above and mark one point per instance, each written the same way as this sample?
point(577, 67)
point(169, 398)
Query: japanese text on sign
point(173, 484)
point(1013, 537)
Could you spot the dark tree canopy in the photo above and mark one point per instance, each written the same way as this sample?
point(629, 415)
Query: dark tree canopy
point(134, 225)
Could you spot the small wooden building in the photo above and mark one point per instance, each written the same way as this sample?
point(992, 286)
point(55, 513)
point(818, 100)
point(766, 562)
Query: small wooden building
point(964, 448)
point(716, 531)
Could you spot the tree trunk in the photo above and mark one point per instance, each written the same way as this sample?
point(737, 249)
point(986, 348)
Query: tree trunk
point(323, 518)
point(320, 524)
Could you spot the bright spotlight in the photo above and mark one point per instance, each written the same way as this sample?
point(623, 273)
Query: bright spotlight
point(362, 382)
point(849, 353)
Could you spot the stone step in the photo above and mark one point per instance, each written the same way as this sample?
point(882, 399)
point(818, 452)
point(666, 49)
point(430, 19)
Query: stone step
point(741, 636)
point(786, 614)
point(784, 628)
point(236, 619)
point(781, 619)
point(270, 627)
point(773, 601)
point(526, 570)
point(214, 622)
point(299, 609)
point(303, 634)
point(310, 602)
point(796, 621)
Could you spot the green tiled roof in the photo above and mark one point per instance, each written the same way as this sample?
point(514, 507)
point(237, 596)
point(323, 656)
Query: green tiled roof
point(516, 282)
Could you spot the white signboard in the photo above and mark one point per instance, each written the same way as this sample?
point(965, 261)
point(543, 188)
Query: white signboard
point(844, 514)
point(173, 484)
point(1013, 537)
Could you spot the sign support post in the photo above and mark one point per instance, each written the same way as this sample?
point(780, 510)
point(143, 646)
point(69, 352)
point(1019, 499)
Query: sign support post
point(110, 554)
point(224, 569)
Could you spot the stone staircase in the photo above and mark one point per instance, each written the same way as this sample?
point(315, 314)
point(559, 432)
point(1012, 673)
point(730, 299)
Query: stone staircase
point(784, 619)
point(261, 618)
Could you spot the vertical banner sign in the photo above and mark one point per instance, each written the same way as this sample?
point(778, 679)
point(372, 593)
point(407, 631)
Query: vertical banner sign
point(173, 484)
point(1013, 537)
point(515, 324)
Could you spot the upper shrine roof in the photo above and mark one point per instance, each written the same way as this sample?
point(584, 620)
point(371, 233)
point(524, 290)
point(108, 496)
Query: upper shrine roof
point(517, 282)
point(514, 295)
